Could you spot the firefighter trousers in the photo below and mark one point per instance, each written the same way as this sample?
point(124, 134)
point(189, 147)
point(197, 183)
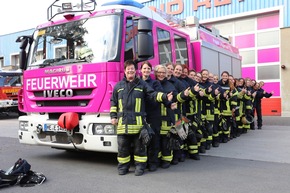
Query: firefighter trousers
point(129, 145)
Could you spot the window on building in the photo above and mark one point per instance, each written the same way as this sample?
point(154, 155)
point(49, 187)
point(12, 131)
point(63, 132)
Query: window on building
point(245, 25)
point(248, 57)
point(15, 61)
point(1, 62)
point(165, 54)
point(180, 49)
point(225, 28)
point(269, 72)
point(268, 38)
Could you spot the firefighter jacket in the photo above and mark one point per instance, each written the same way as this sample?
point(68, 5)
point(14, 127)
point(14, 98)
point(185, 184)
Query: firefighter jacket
point(152, 106)
point(193, 107)
point(229, 102)
point(128, 104)
point(249, 99)
point(240, 103)
point(191, 104)
point(167, 115)
point(260, 94)
point(217, 102)
point(207, 106)
point(180, 87)
point(188, 105)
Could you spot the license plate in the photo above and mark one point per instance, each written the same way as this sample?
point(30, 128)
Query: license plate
point(53, 127)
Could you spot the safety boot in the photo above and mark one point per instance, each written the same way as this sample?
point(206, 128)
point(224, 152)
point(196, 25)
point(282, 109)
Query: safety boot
point(123, 171)
point(139, 172)
point(208, 146)
point(165, 165)
point(215, 144)
point(152, 167)
point(174, 161)
point(182, 157)
point(202, 149)
point(194, 156)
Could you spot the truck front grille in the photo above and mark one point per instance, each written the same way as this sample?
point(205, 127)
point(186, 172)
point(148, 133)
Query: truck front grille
point(76, 92)
point(75, 101)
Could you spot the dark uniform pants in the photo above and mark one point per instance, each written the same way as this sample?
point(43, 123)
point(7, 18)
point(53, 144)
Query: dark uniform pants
point(127, 144)
point(154, 146)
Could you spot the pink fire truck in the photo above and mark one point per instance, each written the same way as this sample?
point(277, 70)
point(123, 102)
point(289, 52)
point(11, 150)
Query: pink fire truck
point(71, 64)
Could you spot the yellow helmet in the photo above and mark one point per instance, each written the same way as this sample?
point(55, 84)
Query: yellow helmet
point(247, 119)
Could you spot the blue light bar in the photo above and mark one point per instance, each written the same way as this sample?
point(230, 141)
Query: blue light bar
point(125, 2)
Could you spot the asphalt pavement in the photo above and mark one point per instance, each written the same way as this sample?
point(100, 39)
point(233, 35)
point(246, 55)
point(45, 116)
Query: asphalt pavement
point(270, 144)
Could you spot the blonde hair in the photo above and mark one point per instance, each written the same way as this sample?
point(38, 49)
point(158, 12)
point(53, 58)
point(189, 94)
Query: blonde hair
point(158, 67)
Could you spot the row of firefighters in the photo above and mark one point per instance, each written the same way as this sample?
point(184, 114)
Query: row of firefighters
point(186, 113)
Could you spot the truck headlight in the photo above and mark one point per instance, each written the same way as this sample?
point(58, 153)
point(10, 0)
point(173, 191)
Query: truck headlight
point(23, 125)
point(109, 129)
point(102, 129)
point(98, 129)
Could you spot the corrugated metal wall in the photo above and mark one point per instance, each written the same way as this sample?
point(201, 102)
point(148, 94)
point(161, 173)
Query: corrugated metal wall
point(214, 12)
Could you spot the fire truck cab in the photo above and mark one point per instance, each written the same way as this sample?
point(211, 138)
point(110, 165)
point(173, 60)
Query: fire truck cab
point(10, 84)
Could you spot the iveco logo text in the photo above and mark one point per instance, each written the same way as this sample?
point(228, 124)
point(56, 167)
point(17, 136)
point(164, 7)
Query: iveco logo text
point(56, 70)
point(58, 93)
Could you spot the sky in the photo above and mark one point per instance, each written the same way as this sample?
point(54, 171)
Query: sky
point(19, 15)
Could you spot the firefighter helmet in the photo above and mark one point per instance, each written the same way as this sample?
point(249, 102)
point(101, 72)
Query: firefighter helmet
point(247, 119)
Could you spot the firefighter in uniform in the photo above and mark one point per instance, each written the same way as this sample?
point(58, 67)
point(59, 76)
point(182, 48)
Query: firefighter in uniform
point(216, 128)
point(260, 94)
point(248, 101)
point(179, 86)
point(197, 115)
point(153, 117)
point(240, 105)
point(191, 114)
point(190, 111)
point(127, 110)
point(228, 106)
point(207, 110)
point(167, 115)
point(233, 100)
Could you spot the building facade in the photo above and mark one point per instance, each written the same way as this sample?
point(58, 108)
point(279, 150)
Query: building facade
point(9, 50)
point(259, 28)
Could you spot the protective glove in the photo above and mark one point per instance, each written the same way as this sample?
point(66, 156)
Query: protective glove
point(180, 130)
point(146, 134)
point(186, 128)
point(186, 124)
point(173, 142)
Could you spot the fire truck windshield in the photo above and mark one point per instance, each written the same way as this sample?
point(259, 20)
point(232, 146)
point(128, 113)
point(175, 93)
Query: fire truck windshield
point(10, 79)
point(88, 40)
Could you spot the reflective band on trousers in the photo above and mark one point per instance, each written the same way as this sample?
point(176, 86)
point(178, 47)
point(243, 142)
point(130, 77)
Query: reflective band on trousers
point(142, 159)
point(123, 160)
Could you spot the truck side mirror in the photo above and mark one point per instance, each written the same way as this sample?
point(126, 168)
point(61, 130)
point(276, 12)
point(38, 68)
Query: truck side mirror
point(22, 60)
point(145, 39)
point(23, 40)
